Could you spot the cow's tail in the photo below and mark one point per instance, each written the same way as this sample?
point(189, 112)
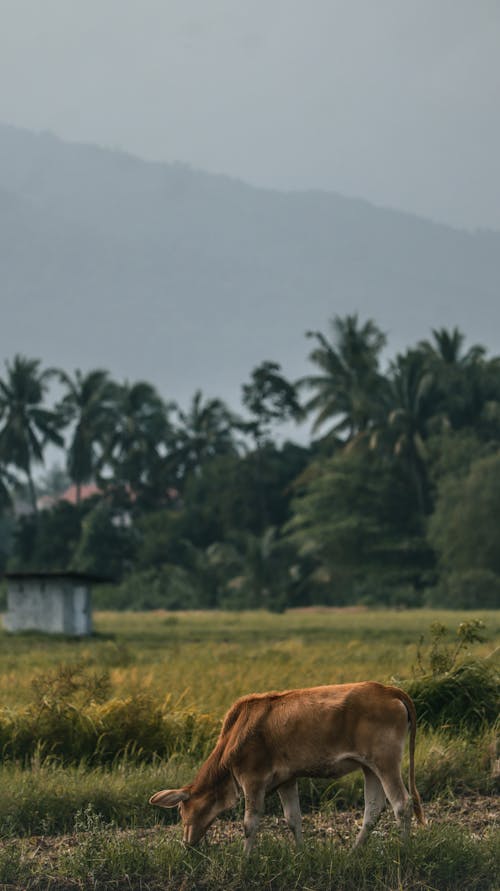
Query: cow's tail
point(412, 720)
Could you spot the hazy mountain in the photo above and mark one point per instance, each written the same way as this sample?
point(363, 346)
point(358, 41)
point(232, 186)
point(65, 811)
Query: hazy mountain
point(188, 279)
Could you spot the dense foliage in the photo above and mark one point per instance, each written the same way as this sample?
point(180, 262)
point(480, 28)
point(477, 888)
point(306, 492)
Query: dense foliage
point(396, 501)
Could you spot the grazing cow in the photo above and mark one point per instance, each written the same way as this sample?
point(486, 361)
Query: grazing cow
point(268, 740)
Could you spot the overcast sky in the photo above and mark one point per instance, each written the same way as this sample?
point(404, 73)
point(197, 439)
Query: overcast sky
point(396, 101)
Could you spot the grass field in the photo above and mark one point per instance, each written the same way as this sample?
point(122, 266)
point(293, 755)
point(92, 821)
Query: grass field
point(207, 659)
point(84, 822)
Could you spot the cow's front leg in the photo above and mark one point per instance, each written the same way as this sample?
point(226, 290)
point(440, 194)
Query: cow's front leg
point(289, 797)
point(254, 808)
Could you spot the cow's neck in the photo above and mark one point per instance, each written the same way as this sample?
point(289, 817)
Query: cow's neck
point(216, 779)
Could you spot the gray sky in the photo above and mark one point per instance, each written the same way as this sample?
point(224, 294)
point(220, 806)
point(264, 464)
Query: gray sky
point(396, 101)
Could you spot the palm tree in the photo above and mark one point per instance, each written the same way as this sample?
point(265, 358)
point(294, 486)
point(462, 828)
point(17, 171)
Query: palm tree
point(206, 431)
point(349, 379)
point(6, 481)
point(448, 348)
point(89, 405)
point(269, 397)
point(141, 438)
point(410, 405)
point(462, 380)
point(27, 425)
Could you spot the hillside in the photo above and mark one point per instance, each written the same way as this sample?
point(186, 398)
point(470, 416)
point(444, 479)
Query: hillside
point(188, 279)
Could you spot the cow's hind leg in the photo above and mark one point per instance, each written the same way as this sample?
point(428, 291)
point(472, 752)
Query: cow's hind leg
point(289, 797)
point(399, 799)
point(254, 808)
point(374, 805)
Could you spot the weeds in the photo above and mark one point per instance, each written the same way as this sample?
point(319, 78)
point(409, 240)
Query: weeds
point(70, 684)
point(453, 694)
point(138, 728)
point(442, 655)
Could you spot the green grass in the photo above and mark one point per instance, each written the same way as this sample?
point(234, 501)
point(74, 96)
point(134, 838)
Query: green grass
point(191, 667)
point(444, 858)
point(161, 687)
point(208, 659)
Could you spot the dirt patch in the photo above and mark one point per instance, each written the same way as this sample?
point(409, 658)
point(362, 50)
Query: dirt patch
point(476, 814)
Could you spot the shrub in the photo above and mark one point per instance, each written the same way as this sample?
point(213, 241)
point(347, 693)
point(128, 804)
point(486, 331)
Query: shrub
point(467, 697)
point(138, 727)
point(132, 726)
point(169, 587)
point(453, 693)
point(471, 589)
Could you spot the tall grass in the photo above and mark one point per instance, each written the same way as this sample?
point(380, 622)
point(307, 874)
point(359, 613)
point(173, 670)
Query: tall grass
point(209, 659)
point(95, 710)
point(137, 727)
point(44, 799)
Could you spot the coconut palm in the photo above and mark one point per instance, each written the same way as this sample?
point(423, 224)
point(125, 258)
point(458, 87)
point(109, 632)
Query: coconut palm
point(89, 406)
point(463, 380)
point(349, 381)
point(27, 425)
point(410, 404)
point(447, 348)
point(141, 438)
point(206, 431)
point(7, 481)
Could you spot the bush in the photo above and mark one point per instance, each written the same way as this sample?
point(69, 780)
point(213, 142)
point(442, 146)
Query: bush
point(467, 697)
point(71, 720)
point(453, 693)
point(399, 596)
point(137, 727)
point(471, 589)
point(169, 587)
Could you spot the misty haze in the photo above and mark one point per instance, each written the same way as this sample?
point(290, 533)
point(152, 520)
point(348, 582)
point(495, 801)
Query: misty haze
point(189, 280)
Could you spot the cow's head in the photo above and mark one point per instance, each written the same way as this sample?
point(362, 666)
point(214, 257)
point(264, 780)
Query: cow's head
point(198, 810)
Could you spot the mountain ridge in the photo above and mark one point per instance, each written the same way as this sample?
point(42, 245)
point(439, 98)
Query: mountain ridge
point(190, 279)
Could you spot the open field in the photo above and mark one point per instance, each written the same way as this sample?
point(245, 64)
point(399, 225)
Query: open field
point(78, 822)
point(207, 659)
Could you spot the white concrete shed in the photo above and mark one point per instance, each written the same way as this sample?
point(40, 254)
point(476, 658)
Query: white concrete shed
point(54, 602)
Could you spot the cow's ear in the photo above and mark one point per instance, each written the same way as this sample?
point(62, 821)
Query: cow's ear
point(169, 797)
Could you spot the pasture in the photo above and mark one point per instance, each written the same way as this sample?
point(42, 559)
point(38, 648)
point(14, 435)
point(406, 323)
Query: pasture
point(89, 729)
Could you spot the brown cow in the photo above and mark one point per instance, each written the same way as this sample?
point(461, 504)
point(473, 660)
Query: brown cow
point(268, 740)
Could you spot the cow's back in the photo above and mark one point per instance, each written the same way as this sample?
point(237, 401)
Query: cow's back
point(309, 731)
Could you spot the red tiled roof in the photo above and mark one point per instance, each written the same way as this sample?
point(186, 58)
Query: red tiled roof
point(86, 491)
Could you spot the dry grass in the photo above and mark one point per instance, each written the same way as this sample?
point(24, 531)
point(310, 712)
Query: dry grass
point(200, 662)
point(205, 660)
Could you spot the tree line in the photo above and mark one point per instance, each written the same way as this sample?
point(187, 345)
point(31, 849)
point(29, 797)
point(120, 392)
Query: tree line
point(395, 500)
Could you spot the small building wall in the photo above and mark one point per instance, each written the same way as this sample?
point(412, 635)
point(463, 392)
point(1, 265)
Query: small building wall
point(58, 606)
